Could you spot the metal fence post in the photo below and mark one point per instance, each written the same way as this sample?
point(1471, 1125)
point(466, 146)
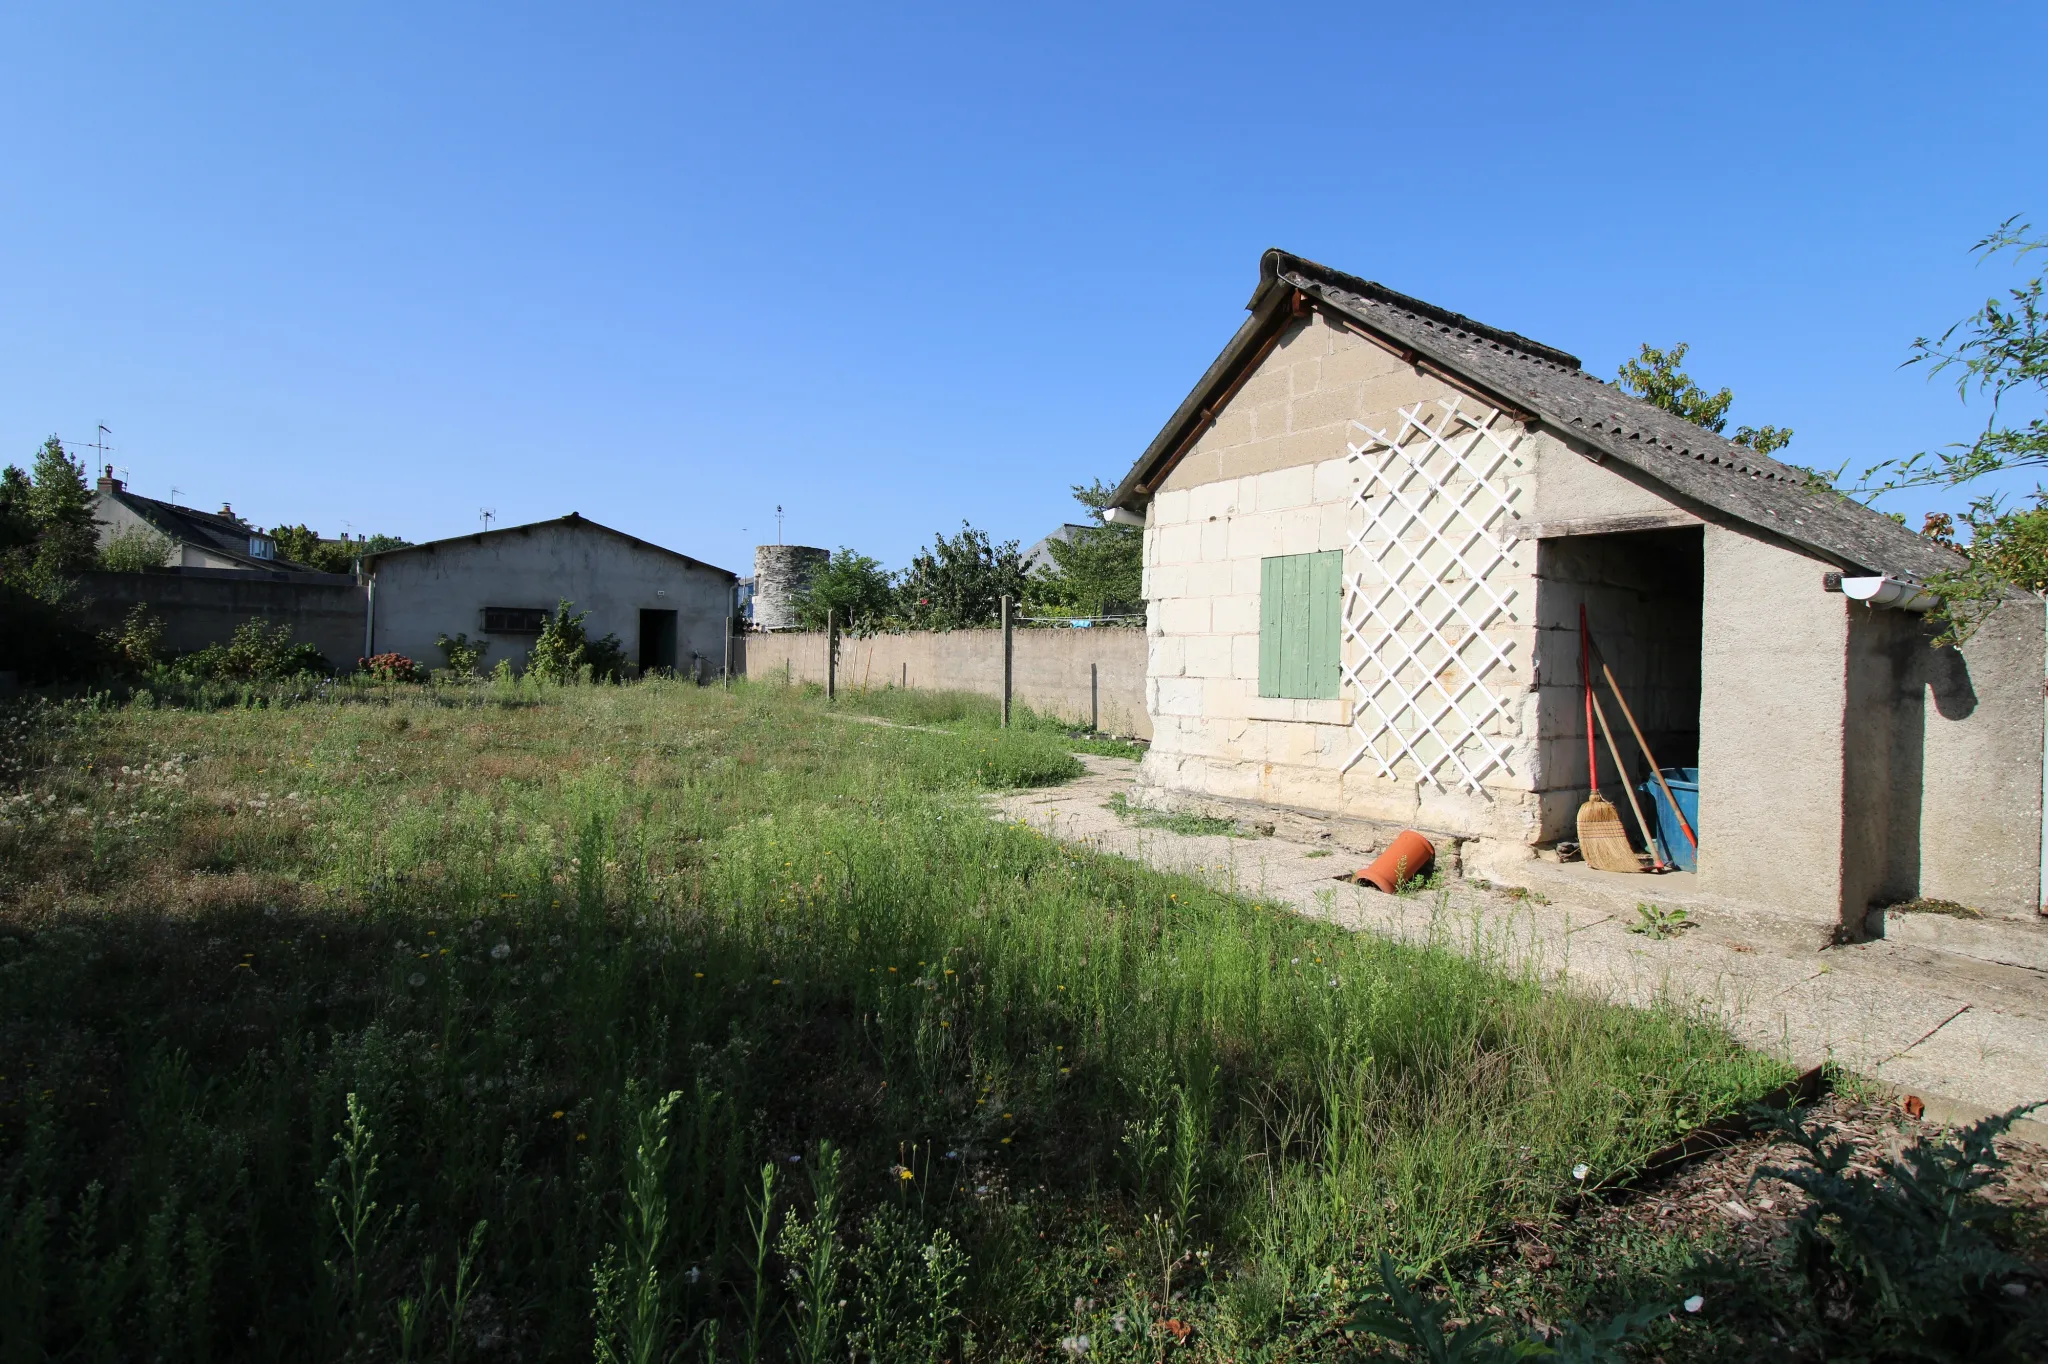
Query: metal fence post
point(1094, 703)
point(725, 678)
point(831, 654)
point(1009, 625)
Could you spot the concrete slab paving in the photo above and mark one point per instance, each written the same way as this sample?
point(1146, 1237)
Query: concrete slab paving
point(1963, 1033)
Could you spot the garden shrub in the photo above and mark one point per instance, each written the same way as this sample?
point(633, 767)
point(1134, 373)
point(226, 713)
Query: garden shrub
point(565, 653)
point(464, 658)
point(254, 654)
point(390, 668)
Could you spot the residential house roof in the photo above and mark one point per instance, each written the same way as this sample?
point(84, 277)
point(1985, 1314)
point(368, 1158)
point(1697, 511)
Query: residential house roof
point(1546, 386)
point(221, 533)
point(572, 521)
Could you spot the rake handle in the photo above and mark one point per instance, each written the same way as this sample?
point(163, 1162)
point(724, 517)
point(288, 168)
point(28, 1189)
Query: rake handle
point(1644, 744)
point(1586, 685)
point(1628, 787)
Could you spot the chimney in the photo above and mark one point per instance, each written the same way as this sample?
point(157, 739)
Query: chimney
point(108, 483)
point(228, 512)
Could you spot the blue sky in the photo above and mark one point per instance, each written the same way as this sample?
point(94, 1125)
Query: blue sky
point(895, 267)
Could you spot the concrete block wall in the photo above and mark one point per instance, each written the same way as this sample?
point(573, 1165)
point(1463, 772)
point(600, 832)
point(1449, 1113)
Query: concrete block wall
point(1049, 668)
point(203, 606)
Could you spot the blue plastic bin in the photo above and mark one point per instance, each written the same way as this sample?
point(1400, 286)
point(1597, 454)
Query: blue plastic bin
point(1672, 844)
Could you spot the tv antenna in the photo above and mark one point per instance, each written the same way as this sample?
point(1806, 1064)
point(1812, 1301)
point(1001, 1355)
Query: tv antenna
point(778, 523)
point(487, 515)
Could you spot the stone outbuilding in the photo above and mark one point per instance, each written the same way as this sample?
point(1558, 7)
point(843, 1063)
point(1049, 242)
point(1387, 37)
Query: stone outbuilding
point(670, 611)
point(1369, 532)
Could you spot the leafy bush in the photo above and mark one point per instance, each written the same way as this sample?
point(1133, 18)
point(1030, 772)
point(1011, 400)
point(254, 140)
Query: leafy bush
point(464, 658)
point(133, 646)
point(854, 587)
point(390, 668)
point(254, 654)
point(1897, 1256)
point(565, 653)
point(961, 581)
point(135, 549)
point(1402, 1316)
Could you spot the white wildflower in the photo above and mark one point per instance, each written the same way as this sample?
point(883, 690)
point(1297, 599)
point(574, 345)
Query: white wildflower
point(1075, 1346)
point(1580, 1171)
point(1695, 1303)
point(501, 951)
point(416, 979)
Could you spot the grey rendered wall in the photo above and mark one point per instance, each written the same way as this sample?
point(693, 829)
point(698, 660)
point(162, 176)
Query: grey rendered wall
point(1774, 696)
point(1960, 733)
point(205, 606)
point(425, 593)
point(1049, 667)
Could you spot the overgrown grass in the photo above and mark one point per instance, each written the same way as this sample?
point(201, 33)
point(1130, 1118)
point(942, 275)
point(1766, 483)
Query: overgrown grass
point(969, 711)
point(513, 1022)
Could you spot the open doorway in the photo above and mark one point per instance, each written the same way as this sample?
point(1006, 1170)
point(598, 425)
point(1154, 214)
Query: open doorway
point(1642, 591)
point(657, 641)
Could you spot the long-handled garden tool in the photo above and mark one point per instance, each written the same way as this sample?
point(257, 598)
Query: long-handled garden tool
point(1648, 756)
point(1627, 787)
point(1602, 840)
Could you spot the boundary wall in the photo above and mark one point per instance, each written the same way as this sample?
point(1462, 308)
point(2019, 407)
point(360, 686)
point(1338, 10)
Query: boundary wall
point(202, 606)
point(1049, 668)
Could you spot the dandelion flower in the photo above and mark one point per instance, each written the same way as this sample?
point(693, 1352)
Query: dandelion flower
point(501, 951)
point(556, 1114)
point(582, 1136)
point(1581, 1170)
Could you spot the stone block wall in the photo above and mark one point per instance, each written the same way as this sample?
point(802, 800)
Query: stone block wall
point(1049, 667)
point(1274, 476)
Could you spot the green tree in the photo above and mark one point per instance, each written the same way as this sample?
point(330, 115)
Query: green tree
point(854, 587)
point(60, 504)
point(960, 580)
point(1999, 352)
point(302, 545)
point(1655, 377)
point(1100, 572)
point(134, 549)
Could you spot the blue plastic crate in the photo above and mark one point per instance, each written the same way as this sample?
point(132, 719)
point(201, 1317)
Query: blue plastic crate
point(1672, 844)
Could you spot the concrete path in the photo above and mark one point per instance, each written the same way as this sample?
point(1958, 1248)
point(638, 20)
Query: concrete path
point(1964, 1034)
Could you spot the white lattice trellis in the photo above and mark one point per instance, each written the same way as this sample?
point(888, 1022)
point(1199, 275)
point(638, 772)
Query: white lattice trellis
point(1418, 649)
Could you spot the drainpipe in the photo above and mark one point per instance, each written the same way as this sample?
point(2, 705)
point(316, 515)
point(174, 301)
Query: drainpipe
point(370, 620)
point(2041, 903)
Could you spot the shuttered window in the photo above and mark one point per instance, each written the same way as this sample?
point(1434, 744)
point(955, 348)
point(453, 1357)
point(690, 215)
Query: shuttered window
point(1300, 599)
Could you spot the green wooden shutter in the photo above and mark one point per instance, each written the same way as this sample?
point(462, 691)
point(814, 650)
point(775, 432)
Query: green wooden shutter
point(1300, 597)
point(1272, 614)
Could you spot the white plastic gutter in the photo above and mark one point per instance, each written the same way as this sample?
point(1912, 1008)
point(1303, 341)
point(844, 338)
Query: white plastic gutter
point(1123, 516)
point(1882, 591)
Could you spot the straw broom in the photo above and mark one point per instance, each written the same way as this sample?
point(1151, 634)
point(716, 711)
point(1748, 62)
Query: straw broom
point(1603, 842)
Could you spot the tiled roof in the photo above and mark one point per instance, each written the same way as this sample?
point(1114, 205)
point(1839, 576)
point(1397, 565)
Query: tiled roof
point(1548, 385)
point(227, 536)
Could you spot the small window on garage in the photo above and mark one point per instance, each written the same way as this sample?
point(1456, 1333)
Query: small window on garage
point(1300, 603)
point(514, 620)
